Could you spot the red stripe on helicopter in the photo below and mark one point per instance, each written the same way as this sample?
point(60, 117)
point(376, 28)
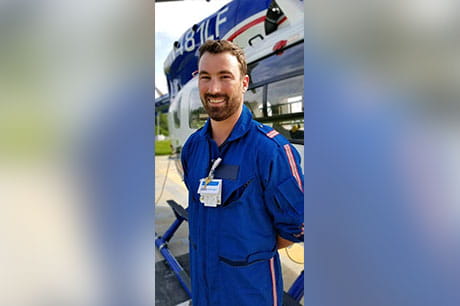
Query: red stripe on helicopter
point(250, 25)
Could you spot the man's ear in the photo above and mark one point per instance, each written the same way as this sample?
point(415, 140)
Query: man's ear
point(245, 83)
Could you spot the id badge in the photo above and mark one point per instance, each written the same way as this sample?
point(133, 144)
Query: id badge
point(211, 193)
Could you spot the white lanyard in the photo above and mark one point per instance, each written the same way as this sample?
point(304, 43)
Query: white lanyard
point(211, 172)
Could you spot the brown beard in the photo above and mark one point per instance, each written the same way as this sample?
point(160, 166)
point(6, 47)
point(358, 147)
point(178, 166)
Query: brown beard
point(220, 113)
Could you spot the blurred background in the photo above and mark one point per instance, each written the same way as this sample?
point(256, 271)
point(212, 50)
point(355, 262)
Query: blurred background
point(76, 153)
point(382, 158)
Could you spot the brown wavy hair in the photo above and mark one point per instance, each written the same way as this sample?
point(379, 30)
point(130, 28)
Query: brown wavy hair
point(220, 46)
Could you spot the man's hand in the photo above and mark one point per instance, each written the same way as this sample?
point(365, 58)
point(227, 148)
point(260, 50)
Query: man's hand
point(282, 243)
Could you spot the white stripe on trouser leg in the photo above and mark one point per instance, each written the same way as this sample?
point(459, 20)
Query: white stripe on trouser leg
point(272, 271)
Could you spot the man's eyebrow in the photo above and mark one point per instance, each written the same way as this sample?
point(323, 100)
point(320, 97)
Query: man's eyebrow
point(225, 72)
point(220, 72)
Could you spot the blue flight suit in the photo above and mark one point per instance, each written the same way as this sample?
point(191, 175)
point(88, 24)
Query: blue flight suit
point(233, 254)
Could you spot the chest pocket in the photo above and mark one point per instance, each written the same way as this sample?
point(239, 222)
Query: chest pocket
point(227, 172)
point(235, 183)
point(236, 194)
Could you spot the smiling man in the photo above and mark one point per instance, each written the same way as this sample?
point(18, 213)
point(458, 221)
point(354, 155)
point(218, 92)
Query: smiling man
point(245, 190)
point(222, 83)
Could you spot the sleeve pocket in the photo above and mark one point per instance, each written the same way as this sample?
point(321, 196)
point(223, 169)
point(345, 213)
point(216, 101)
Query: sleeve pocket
point(289, 213)
point(290, 197)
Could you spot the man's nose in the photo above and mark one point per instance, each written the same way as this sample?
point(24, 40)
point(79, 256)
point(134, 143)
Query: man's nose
point(214, 86)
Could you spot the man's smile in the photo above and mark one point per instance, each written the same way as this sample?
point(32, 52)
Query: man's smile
point(215, 100)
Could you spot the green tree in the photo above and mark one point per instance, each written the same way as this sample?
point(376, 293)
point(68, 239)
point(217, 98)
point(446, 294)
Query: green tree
point(163, 129)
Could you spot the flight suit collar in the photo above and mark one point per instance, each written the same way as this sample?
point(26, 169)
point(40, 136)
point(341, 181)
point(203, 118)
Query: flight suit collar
point(239, 130)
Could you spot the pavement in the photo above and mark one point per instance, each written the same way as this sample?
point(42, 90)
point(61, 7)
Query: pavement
point(169, 186)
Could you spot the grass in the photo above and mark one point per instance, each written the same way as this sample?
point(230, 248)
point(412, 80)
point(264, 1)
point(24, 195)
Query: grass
point(162, 147)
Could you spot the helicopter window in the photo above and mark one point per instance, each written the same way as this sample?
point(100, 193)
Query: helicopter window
point(288, 62)
point(198, 115)
point(285, 97)
point(253, 99)
point(285, 108)
point(292, 129)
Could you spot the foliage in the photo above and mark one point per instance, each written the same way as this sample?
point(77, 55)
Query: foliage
point(162, 147)
point(163, 130)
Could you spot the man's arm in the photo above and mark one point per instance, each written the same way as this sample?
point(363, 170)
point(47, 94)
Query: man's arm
point(282, 243)
point(283, 194)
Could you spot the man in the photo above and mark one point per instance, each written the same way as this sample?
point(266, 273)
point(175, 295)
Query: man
point(245, 191)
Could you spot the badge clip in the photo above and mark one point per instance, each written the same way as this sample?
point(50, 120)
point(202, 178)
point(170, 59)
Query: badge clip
point(210, 189)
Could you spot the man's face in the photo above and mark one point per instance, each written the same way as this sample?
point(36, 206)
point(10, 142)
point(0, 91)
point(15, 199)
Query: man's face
point(221, 85)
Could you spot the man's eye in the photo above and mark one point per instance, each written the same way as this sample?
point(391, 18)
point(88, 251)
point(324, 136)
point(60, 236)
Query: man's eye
point(226, 77)
point(204, 77)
